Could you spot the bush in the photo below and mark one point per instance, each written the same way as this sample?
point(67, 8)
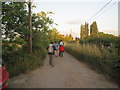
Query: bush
point(102, 39)
point(21, 61)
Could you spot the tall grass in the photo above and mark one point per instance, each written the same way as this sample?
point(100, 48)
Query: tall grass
point(100, 59)
point(21, 61)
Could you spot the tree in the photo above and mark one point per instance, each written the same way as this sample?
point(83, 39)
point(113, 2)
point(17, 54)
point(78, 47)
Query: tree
point(81, 33)
point(77, 39)
point(14, 20)
point(71, 37)
point(84, 31)
point(93, 29)
point(68, 38)
point(41, 23)
point(54, 35)
point(15, 23)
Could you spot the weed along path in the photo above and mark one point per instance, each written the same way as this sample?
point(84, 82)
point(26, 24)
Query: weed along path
point(66, 73)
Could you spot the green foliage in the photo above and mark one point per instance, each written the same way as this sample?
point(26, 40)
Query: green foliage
point(40, 40)
point(54, 35)
point(82, 41)
point(14, 20)
point(15, 34)
point(102, 39)
point(20, 61)
point(41, 22)
point(68, 38)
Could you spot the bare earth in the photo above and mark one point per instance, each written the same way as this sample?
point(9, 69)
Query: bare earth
point(66, 73)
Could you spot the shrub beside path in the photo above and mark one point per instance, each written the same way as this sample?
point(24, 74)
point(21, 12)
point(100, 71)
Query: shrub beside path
point(66, 73)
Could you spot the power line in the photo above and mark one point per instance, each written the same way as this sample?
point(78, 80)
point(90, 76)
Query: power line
point(115, 2)
point(100, 10)
point(109, 7)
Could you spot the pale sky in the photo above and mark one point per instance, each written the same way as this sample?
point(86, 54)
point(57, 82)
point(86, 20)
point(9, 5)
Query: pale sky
point(70, 14)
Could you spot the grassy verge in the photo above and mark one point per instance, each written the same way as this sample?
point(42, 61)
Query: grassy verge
point(21, 61)
point(100, 60)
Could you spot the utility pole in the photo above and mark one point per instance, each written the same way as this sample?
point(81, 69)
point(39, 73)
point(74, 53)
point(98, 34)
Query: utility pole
point(30, 27)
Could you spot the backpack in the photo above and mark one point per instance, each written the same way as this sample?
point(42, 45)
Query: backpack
point(56, 46)
point(61, 48)
point(50, 49)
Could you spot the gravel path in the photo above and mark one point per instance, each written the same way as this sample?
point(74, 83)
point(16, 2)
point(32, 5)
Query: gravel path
point(66, 73)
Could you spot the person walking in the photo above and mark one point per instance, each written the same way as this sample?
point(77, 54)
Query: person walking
point(61, 50)
point(51, 49)
point(61, 43)
point(56, 48)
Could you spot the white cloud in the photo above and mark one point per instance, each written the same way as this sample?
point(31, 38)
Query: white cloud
point(76, 21)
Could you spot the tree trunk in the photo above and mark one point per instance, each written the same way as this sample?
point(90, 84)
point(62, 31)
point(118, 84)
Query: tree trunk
point(30, 27)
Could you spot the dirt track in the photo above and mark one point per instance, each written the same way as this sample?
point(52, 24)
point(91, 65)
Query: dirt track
point(67, 73)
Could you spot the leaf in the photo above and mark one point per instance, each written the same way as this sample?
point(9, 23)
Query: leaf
point(33, 6)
